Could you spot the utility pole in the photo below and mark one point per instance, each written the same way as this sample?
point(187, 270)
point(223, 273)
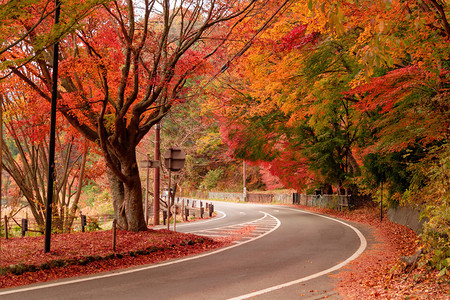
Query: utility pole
point(146, 189)
point(156, 177)
point(51, 147)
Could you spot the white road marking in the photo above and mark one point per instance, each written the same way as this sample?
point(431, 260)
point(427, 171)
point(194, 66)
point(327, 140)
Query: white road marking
point(238, 226)
point(138, 269)
point(223, 215)
point(362, 247)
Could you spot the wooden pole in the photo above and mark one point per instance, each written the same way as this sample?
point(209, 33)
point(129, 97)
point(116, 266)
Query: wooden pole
point(52, 138)
point(114, 235)
point(174, 215)
point(147, 189)
point(169, 197)
point(156, 179)
point(6, 227)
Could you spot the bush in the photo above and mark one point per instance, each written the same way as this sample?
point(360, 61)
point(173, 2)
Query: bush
point(212, 178)
point(436, 238)
point(92, 224)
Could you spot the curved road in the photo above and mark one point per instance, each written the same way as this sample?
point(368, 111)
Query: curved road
point(289, 256)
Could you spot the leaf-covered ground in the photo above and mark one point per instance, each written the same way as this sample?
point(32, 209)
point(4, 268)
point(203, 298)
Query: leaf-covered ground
point(376, 274)
point(379, 273)
point(23, 261)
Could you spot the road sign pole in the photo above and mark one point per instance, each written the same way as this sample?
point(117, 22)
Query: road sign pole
point(174, 159)
point(168, 202)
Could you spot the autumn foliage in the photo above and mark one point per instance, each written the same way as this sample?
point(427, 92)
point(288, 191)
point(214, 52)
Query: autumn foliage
point(342, 96)
point(348, 97)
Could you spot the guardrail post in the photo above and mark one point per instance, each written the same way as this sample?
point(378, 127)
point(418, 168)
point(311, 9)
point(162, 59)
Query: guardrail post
point(211, 209)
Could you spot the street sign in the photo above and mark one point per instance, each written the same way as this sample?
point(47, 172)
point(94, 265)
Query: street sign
point(151, 164)
point(174, 159)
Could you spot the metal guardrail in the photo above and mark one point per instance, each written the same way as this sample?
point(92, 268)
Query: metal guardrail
point(322, 201)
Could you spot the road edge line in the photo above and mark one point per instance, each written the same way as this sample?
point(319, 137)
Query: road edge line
point(136, 269)
point(361, 249)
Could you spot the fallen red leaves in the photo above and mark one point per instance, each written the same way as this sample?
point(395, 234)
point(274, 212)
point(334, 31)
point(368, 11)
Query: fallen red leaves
point(378, 272)
point(78, 254)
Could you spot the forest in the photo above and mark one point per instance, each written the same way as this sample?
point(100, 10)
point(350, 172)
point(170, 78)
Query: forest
point(345, 97)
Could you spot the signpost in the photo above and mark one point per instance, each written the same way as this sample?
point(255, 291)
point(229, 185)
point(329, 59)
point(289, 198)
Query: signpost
point(154, 164)
point(174, 159)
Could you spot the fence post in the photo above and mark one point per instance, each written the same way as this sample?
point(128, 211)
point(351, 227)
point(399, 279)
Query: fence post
point(24, 226)
point(83, 222)
point(114, 235)
point(6, 227)
point(164, 217)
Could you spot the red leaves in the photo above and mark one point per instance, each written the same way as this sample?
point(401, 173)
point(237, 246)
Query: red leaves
point(297, 39)
point(91, 252)
point(408, 106)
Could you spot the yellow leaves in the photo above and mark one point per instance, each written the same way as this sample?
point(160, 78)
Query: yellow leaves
point(208, 141)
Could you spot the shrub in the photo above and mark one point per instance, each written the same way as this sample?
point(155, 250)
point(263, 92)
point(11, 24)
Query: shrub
point(436, 238)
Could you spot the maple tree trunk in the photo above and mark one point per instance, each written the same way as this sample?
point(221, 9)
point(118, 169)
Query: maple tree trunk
point(117, 194)
point(127, 195)
point(133, 199)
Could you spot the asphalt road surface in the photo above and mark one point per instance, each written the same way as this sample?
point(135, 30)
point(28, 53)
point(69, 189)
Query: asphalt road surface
point(289, 255)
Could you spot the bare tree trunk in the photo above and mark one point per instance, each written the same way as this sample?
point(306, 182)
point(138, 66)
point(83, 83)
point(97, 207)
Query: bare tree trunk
point(73, 208)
